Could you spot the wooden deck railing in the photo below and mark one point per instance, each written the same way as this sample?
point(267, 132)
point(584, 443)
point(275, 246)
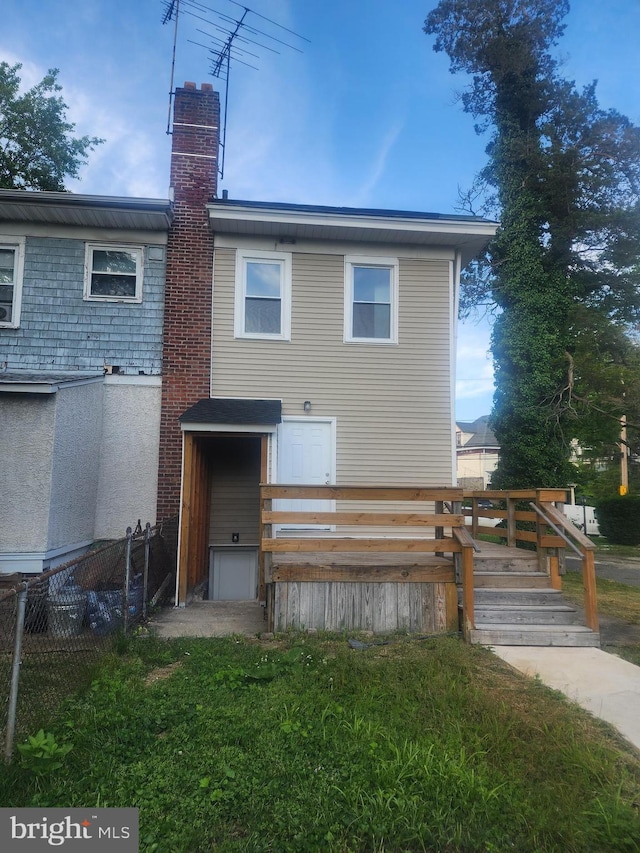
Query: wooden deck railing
point(542, 516)
point(386, 530)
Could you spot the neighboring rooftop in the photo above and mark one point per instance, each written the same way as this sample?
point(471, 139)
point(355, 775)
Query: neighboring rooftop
point(482, 434)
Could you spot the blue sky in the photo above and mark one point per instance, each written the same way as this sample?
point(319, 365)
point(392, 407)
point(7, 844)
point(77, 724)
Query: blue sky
point(365, 116)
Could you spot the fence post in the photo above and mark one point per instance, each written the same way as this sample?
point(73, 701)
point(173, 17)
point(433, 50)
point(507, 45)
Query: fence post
point(145, 578)
point(15, 675)
point(127, 577)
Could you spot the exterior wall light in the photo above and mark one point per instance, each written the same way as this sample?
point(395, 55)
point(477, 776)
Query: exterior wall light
point(307, 406)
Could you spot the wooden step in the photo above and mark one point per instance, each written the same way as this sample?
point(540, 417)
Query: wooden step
point(515, 595)
point(488, 615)
point(535, 635)
point(507, 564)
point(522, 580)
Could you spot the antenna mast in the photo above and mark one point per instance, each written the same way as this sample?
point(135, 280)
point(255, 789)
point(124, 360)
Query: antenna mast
point(224, 51)
point(172, 10)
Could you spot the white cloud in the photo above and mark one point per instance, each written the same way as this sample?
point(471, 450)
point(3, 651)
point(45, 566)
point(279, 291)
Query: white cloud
point(378, 166)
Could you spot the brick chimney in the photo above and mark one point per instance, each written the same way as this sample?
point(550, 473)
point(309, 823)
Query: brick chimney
point(186, 358)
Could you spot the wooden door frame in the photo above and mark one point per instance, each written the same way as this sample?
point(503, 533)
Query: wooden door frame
point(195, 493)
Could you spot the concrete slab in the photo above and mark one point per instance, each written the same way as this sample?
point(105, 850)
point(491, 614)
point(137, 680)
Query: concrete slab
point(603, 684)
point(210, 619)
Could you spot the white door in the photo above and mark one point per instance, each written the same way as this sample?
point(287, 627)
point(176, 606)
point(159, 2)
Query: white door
point(306, 457)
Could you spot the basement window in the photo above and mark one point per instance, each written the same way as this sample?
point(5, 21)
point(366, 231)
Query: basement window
point(11, 269)
point(113, 273)
point(263, 295)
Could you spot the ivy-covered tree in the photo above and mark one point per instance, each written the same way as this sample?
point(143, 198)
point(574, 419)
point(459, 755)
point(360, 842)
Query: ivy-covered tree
point(564, 176)
point(37, 147)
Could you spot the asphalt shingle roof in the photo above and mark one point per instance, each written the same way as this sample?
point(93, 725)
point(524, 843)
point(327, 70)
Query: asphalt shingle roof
point(228, 410)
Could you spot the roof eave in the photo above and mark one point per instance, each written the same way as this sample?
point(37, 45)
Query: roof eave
point(63, 208)
point(465, 234)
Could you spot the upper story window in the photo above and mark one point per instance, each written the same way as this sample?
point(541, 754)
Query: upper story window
point(113, 273)
point(11, 269)
point(371, 299)
point(263, 295)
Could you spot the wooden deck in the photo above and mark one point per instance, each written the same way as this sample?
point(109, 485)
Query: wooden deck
point(422, 576)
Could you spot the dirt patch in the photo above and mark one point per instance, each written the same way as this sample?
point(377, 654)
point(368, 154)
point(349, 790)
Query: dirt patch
point(161, 673)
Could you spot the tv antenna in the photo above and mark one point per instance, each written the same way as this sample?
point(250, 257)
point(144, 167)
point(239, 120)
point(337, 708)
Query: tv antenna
point(234, 40)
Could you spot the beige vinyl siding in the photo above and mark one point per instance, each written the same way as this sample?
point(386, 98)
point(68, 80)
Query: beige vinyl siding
point(235, 493)
point(392, 402)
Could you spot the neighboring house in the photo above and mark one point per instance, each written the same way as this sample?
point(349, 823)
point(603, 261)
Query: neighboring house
point(477, 452)
point(81, 311)
point(303, 344)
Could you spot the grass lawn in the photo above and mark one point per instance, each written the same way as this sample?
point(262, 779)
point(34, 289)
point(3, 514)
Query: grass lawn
point(304, 744)
point(614, 599)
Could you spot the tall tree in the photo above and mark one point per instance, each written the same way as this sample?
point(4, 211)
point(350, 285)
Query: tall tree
point(37, 147)
point(566, 179)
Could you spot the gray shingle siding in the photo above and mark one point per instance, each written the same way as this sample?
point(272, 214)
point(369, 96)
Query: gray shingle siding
point(60, 330)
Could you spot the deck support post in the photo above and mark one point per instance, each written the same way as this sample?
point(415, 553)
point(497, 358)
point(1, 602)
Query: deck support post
point(554, 571)
point(468, 603)
point(589, 582)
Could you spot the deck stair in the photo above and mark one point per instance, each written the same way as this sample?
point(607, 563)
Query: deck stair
point(516, 606)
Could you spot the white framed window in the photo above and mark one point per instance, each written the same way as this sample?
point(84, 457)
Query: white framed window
point(371, 300)
point(263, 295)
point(113, 273)
point(11, 273)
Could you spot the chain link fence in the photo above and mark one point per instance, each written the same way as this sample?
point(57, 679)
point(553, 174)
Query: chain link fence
point(55, 627)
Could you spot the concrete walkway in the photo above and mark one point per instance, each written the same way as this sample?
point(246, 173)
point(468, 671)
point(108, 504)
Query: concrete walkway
point(604, 684)
point(210, 619)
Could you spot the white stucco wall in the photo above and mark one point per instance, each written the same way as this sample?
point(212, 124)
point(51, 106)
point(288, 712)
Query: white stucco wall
point(128, 478)
point(76, 463)
point(27, 424)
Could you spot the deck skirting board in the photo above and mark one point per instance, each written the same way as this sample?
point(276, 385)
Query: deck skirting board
point(379, 607)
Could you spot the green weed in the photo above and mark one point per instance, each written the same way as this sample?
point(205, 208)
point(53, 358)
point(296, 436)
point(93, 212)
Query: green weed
point(42, 754)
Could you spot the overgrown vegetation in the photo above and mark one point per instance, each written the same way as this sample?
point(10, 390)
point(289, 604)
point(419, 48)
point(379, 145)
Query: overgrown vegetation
point(619, 519)
point(561, 275)
point(308, 745)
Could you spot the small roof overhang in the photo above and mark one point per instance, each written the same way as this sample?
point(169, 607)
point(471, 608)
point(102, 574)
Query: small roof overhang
point(231, 414)
point(26, 382)
point(61, 208)
point(468, 234)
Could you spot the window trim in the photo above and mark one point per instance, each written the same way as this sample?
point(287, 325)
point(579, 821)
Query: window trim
point(352, 261)
point(244, 256)
point(18, 244)
point(137, 251)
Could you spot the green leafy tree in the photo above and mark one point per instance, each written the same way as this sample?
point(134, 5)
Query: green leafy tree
point(564, 176)
point(37, 147)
